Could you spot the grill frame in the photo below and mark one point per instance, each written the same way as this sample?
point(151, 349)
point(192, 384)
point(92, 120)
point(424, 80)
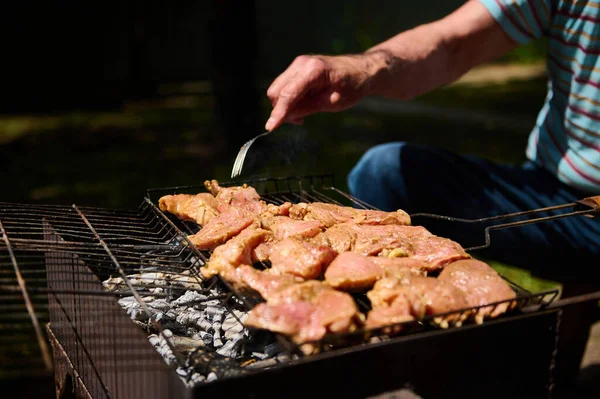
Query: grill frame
point(59, 238)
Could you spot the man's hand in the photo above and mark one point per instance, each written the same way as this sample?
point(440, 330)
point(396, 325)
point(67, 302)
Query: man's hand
point(319, 83)
point(407, 65)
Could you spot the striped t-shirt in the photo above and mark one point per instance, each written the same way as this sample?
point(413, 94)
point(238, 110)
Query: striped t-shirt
point(566, 137)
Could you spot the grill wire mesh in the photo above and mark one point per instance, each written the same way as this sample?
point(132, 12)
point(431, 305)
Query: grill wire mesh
point(79, 276)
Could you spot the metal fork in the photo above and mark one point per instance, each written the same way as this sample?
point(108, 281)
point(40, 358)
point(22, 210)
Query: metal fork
point(239, 160)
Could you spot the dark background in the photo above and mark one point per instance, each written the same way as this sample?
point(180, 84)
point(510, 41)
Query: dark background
point(101, 100)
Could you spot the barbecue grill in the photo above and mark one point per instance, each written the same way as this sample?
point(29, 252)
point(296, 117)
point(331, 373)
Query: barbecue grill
point(119, 296)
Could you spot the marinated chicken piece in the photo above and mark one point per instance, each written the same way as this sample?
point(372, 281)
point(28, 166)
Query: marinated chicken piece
point(244, 197)
point(279, 210)
point(300, 258)
point(350, 271)
point(395, 241)
point(199, 208)
point(223, 227)
point(371, 240)
point(264, 282)
point(330, 214)
point(262, 252)
point(306, 312)
point(283, 227)
point(396, 299)
point(398, 310)
point(437, 251)
point(480, 284)
point(234, 253)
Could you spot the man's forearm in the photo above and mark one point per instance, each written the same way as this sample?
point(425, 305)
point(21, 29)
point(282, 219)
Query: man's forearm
point(435, 54)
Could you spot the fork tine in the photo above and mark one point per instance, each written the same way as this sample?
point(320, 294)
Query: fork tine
point(241, 156)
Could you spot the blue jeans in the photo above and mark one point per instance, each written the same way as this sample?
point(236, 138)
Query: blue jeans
point(420, 178)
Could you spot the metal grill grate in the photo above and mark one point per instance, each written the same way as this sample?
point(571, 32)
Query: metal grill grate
point(76, 269)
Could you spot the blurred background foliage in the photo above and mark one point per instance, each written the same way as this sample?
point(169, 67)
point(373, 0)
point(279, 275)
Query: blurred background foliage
point(101, 103)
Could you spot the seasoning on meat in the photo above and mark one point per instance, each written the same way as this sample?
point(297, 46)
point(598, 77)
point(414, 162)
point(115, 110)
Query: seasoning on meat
point(330, 214)
point(393, 241)
point(306, 312)
point(223, 227)
point(300, 258)
point(350, 271)
point(235, 252)
point(266, 283)
point(244, 197)
point(199, 208)
point(398, 299)
point(480, 284)
point(284, 227)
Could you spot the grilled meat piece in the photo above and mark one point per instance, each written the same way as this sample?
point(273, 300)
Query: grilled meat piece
point(300, 258)
point(223, 227)
point(283, 227)
point(306, 312)
point(414, 242)
point(244, 197)
point(234, 253)
point(266, 283)
point(397, 299)
point(199, 208)
point(350, 271)
point(480, 284)
point(330, 214)
point(262, 252)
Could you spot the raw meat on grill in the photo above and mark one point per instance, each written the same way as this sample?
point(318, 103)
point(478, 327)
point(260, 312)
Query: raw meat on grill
point(396, 299)
point(244, 197)
point(235, 252)
point(330, 214)
point(306, 312)
point(350, 271)
point(395, 241)
point(283, 227)
point(266, 283)
point(199, 208)
point(223, 227)
point(261, 253)
point(300, 258)
point(481, 285)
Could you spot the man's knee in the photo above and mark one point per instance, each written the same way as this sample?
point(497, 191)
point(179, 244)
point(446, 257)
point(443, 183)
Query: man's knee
point(377, 174)
point(375, 163)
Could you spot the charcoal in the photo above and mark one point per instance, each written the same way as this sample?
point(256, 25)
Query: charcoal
point(215, 310)
point(159, 305)
point(232, 327)
point(262, 363)
point(273, 349)
point(217, 342)
point(189, 317)
point(205, 325)
point(211, 377)
point(185, 344)
point(230, 349)
point(159, 342)
point(195, 379)
point(260, 355)
point(189, 298)
point(218, 318)
point(206, 337)
point(213, 302)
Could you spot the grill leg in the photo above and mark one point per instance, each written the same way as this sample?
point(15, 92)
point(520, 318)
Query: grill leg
point(574, 331)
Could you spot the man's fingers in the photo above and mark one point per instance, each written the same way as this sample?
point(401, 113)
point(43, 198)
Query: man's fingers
point(289, 90)
point(288, 97)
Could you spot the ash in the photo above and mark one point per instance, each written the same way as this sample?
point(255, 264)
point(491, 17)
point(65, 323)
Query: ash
point(200, 334)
